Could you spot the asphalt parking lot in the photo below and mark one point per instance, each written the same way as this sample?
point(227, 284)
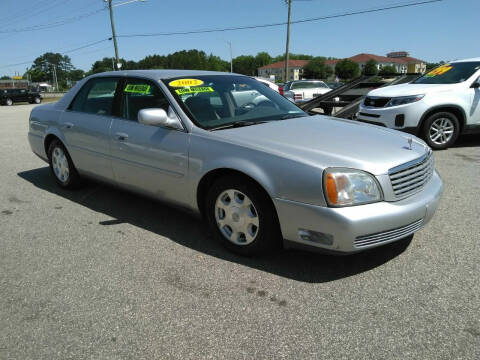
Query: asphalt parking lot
point(100, 273)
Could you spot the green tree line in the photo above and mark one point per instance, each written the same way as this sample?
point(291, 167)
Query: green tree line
point(43, 66)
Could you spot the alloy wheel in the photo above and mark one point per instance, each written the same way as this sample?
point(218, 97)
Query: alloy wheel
point(441, 131)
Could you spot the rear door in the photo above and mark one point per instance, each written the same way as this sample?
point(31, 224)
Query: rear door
point(21, 95)
point(86, 126)
point(145, 158)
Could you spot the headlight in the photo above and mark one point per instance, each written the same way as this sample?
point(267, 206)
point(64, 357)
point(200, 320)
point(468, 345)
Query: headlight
point(403, 100)
point(346, 187)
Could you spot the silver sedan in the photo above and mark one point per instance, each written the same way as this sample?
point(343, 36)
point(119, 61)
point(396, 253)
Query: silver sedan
point(262, 172)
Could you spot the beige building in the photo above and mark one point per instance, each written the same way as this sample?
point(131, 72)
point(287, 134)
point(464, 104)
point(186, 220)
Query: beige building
point(295, 67)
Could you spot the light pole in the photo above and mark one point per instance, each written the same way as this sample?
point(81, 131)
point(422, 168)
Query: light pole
point(288, 38)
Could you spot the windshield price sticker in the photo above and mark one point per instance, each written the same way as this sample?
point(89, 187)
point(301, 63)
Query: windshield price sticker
point(185, 82)
point(202, 89)
point(138, 89)
point(440, 70)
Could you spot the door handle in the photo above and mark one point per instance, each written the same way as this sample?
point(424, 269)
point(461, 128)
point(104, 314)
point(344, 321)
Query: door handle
point(68, 125)
point(121, 136)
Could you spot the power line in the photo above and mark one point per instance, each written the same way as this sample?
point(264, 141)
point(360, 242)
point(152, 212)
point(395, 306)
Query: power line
point(247, 27)
point(63, 52)
point(53, 24)
point(37, 11)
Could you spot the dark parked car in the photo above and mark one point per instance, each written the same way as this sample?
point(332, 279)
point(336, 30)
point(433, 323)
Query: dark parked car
point(10, 96)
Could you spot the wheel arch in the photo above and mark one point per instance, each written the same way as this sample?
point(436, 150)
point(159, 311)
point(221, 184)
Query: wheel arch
point(211, 176)
point(458, 111)
point(49, 137)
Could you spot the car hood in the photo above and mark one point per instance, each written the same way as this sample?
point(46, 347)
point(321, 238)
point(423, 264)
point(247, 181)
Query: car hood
point(329, 142)
point(410, 89)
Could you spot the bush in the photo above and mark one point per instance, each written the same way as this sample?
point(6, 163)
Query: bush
point(370, 68)
point(347, 69)
point(387, 70)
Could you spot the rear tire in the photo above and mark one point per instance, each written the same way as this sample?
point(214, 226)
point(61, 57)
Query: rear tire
point(441, 130)
point(241, 216)
point(37, 100)
point(61, 166)
point(9, 102)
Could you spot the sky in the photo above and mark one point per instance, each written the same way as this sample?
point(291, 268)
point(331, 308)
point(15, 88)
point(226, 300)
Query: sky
point(445, 30)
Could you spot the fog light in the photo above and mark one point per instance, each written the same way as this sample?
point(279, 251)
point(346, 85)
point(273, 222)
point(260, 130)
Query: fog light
point(399, 120)
point(315, 236)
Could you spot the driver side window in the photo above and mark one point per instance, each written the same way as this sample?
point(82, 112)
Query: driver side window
point(141, 94)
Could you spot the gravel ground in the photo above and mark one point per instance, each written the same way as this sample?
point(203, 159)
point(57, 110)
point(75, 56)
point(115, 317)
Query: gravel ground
point(100, 273)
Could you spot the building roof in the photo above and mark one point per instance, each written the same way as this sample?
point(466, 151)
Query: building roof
point(291, 63)
point(363, 58)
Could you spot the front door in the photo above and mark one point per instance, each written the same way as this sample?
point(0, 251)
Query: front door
point(474, 111)
point(86, 126)
point(146, 158)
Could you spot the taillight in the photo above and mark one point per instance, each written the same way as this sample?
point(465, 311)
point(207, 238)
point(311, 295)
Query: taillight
point(297, 96)
point(280, 90)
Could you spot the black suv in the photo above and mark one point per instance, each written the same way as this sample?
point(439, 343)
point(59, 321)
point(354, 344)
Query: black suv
point(9, 96)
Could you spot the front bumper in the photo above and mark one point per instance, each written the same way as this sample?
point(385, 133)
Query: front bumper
point(386, 116)
point(356, 228)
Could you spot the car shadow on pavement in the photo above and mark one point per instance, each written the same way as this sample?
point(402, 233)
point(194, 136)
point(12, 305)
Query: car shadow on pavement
point(470, 140)
point(188, 230)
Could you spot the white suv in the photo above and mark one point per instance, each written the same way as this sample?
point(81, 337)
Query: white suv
point(438, 106)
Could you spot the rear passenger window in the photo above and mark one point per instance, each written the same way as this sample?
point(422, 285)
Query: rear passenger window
point(96, 97)
point(141, 94)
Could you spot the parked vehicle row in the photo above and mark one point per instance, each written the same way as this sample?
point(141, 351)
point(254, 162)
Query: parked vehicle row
point(261, 171)
point(438, 106)
point(11, 96)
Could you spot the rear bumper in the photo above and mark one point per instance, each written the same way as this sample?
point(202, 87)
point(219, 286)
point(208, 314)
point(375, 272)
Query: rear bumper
point(357, 228)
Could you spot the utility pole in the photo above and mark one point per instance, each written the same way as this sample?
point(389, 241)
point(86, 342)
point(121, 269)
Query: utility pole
point(55, 76)
point(114, 35)
point(231, 57)
point(288, 39)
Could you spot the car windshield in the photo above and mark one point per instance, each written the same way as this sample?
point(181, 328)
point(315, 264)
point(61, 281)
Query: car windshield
point(308, 85)
point(450, 73)
point(220, 101)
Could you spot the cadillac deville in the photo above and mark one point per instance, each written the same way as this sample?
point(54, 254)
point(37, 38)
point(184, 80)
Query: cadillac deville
point(259, 170)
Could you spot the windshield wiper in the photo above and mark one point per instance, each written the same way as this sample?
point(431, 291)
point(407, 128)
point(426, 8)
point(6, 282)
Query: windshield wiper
point(292, 116)
point(237, 124)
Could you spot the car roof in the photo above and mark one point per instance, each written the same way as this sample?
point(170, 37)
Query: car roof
point(467, 60)
point(161, 74)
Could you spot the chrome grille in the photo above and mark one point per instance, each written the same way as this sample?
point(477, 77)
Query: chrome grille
point(411, 177)
point(395, 234)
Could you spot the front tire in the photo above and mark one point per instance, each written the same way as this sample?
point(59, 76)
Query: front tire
point(61, 166)
point(37, 100)
point(441, 130)
point(9, 102)
point(241, 216)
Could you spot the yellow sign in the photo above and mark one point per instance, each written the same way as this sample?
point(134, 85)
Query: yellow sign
point(137, 89)
point(203, 89)
point(185, 82)
point(440, 70)
point(17, 77)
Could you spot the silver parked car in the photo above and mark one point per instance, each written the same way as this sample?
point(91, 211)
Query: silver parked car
point(258, 168)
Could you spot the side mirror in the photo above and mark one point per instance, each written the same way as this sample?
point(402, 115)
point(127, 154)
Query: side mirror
point(476, 84)
point(159, 117)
